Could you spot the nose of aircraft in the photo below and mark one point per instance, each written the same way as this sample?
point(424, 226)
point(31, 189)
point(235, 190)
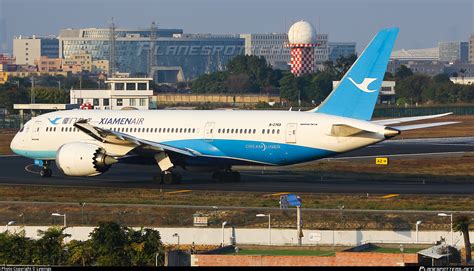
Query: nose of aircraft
point(16, 143)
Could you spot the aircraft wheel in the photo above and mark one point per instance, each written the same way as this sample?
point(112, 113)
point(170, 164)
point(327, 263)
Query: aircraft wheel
point(171, 177)
point(46, 172)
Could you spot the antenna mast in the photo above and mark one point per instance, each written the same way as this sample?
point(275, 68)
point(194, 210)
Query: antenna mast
point(112, 64)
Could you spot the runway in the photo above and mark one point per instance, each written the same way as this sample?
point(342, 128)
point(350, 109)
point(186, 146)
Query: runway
point(16, 171)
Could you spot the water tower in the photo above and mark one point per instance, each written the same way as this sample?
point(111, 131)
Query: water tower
point(302, 41)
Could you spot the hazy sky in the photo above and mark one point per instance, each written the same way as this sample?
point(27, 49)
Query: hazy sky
point(422, 22)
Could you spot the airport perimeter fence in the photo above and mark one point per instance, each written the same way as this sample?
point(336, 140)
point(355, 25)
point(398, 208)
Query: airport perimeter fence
point(152, 216)
point(12, 121)
point(389, 112)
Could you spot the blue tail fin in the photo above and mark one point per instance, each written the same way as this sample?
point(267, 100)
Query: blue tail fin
point(356, 94)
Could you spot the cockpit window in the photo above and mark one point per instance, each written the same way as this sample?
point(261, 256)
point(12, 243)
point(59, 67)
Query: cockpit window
point(21, 129)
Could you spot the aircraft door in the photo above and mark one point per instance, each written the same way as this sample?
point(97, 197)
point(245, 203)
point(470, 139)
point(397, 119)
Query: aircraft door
point(209, 131)
point(291, 132)
point(35, 130)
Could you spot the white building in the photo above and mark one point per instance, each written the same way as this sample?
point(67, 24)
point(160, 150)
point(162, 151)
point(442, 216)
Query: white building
point(272, 47)
point(462, 80)
point(429, 54)
point(120, 93)
point(386, 95)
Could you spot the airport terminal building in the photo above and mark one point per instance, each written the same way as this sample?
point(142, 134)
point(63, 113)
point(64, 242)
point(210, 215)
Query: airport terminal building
point(176, 56)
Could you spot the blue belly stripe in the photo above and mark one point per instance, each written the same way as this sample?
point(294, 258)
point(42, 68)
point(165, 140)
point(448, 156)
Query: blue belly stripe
point(229, 152)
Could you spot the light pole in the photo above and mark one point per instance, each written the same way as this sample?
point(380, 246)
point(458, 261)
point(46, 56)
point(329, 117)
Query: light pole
point(223, 225)
point(417, 224)
point(82, 211)
point(176, 235)
point(32, 94)
point(269, 227)
point(9, 224)
point(452, 234)
point(63, 215)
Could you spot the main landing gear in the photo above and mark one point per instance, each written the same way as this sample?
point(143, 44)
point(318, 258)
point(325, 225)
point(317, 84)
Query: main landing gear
point(226, 176)
point(46, 171)
point(168, 177)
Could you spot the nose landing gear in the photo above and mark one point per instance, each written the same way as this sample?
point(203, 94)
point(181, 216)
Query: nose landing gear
point(46, 171)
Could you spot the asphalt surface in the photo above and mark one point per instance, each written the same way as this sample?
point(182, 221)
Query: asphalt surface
point(18, 170)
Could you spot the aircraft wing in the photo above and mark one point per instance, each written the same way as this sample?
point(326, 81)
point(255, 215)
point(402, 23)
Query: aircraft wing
point(113, 137)
point(407, 119)
point(421, 126)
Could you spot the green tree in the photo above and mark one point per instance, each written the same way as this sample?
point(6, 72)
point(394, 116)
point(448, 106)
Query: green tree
point(80, 253)
point(344, 63)
point(322, 86)
point(461, 224)
point(10, 94)
point(403, 72)
point(466, 93)
point(143, 246)
point(289, 87)
point(412, 87)
point(50, 249)
point(109, 241)
point(50, 95)
point(16, 248)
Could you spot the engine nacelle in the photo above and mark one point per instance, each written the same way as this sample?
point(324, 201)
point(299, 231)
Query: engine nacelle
point(83, 159)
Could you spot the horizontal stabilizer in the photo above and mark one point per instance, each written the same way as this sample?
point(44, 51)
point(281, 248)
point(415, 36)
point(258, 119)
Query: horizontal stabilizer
point(408, 119)
point(426, 125)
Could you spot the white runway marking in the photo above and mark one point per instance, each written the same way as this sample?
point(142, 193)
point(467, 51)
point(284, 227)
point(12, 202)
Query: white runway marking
point(27, 169)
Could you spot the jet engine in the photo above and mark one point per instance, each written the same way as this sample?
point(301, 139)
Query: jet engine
point(83, 159)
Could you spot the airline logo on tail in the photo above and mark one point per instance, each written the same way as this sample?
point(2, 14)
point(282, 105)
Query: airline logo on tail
point(364, 86)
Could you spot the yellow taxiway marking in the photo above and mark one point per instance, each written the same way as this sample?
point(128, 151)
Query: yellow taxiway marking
point(389, 196)
point(178, 191)
point(280, 194)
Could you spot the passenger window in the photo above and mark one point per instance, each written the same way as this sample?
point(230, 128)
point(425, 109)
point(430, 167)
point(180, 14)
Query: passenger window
point(240, 131)
point(62, 129)
point(194, 130)
point(172, 130)
point(228, 130)
point(273, 131)
point(268, 131)
point(254, 131)
point(263, 131)
point(278, 131)
point(180, 130)
point(231, 131)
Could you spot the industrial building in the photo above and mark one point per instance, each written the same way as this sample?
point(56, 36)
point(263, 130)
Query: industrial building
point(167, 55)
point(339, 49)
point(454, 51)
point(28, 49)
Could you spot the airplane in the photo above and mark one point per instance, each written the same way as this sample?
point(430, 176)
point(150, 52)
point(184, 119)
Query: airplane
point(89, 142)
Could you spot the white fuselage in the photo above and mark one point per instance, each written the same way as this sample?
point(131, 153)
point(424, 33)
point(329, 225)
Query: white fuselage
point(227, 136)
